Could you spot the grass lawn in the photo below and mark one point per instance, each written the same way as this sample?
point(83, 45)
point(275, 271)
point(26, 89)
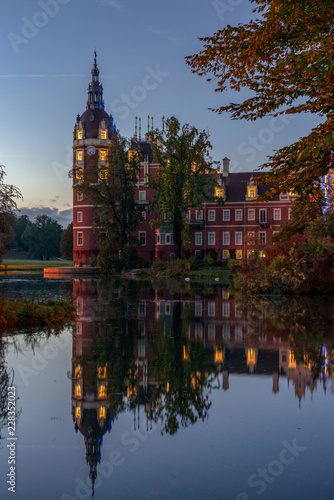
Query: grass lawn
point(35, 265)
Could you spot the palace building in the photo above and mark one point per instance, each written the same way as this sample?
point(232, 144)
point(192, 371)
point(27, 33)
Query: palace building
point(222, 230)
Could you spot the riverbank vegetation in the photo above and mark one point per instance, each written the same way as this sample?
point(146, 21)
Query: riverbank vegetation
point(28, 313)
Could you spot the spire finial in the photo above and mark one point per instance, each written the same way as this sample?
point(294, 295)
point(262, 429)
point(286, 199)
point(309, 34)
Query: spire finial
point(95, 60)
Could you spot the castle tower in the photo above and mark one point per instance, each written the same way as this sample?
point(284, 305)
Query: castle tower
point(92, 135)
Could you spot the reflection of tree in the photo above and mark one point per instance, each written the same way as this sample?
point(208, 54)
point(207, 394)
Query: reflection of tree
point(6, 380)
point(181, 395)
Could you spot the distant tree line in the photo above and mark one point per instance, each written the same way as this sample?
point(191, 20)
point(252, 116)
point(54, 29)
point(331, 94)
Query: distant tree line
point(43, 239)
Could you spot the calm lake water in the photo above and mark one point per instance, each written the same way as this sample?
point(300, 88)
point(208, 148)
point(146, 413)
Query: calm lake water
point(168, 393)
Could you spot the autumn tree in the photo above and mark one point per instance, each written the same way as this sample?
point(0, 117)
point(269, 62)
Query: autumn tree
point(285, 57)
point(111, 190)
point(182, 182)
point(9, 194)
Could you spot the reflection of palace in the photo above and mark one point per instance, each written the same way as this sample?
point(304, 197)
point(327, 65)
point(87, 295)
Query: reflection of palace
point(90, 410)
point(143, 368)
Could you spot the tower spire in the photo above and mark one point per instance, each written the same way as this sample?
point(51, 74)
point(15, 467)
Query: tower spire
point(95, 89)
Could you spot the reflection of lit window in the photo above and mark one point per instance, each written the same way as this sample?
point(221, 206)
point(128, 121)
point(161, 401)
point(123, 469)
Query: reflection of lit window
point(226, 309)
point(78, 372)
point(251, 357)
point(79, 155)
point(218, 355)
point(102, 371)
point(292, 361)
point(102, 391)
point(103, 154)
point(78, 390)
point(79, 133)
point(103, 133)
point(186, 356)
point(198, 308)
point(102, 412)
point(78, 412)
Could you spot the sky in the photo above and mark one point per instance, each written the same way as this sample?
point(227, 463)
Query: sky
point(47, 51)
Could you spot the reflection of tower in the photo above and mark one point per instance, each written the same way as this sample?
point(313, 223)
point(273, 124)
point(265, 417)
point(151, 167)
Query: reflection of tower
point(90, 409)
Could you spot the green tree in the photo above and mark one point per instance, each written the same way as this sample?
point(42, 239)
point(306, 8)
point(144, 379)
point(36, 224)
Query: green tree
point(66, 242)
point(8, 196)
point(111, 189)
point(182, 181)
point(286, 59)
point(42, 237)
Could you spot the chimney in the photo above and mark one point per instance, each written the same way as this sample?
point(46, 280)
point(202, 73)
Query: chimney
point(226, 166)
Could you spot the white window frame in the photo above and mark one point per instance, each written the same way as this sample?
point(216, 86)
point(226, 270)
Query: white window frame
point(226, 238)
point(211, 236)
point(212, 215)
point(277, 214)
point(140, 233)
point(79, 216)
point(251, 214)
point(238, 254)
point(226, 214)
point(262, 238)
point(80, 196)
point(79, 238)
point(262, 215)
point(198, 239)
point(142, 195)
point(238, 214)
point(238, 237)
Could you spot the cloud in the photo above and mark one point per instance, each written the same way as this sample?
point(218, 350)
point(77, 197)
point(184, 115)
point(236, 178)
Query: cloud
point(159, 32)
point(64, 217)
point(112, 3)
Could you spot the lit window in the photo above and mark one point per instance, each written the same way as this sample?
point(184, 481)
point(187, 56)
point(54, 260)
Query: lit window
point(78, 390)
point(79, 174)
point(211, 238)
point(102, 412)
point(198, 238)
point(238, 214)
point(238, 254)
point(226, 215)
point(102, 391)
point(103, 174)
point(212, 215)
point(292, 192)
point(102, 372)
point(251, 214)
point(103, 155)
point(78, 371)
point(79, 238)
point(79, 196)
point(262, 237)
point(219, 192)
point(277, 214)
point(78, 412)
point(79, 134)
point(104, 133)
point(226, 238)
point(251, 191)
point(79, 216)
point(142, 195)
point(226, 254)
point(238, 238)
point(79, 155)
point(142, 238)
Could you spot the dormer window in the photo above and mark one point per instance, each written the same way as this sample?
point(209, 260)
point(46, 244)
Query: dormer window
point(79, 134)
point(251, 191)
point(104, 133)
point(219, 191)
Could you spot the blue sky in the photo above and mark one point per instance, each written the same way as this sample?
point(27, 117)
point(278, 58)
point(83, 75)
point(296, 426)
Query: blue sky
point(47, 50)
